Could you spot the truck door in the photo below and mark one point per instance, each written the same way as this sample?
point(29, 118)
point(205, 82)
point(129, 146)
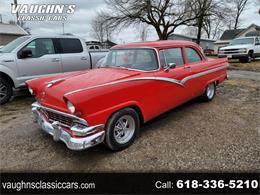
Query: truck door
point(257, 47)
point(73, 56)
point(42, 61)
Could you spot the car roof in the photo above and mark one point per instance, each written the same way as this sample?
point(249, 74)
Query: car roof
point(156, 44)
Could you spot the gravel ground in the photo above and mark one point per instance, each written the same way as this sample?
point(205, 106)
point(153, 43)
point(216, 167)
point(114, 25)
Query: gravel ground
point(222, 135)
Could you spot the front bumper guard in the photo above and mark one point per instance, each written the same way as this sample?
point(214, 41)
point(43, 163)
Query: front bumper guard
point(74, 143)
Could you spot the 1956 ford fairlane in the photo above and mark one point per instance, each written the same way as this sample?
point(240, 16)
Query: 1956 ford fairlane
point(135, 83)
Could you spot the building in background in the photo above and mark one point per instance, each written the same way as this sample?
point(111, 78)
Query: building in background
point(229, 35)
point(206, 44)
point(9, 32)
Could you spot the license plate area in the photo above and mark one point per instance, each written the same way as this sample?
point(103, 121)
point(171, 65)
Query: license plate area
point(229, 56)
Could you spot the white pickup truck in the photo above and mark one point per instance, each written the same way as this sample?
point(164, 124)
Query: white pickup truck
point(244, 49)
point(33, 56)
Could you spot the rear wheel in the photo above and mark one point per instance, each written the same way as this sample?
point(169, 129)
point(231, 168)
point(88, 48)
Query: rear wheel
point(6, 91)
point(209, 93)
point(122, 129)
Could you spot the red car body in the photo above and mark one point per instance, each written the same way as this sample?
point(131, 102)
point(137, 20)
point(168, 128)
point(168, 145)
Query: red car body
point(97, 94)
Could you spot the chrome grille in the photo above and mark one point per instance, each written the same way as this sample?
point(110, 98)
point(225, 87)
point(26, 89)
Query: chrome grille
point(64, 120)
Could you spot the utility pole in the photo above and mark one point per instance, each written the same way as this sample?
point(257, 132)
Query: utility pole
point(17, 21)
point(63, 28)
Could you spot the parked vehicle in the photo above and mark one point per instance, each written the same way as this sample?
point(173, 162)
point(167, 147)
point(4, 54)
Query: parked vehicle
point(137, 82)
point(244, 49)
point(31, 57)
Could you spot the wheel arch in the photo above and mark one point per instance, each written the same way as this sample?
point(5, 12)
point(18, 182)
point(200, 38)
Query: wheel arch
point(133, 106)
point(7, 77)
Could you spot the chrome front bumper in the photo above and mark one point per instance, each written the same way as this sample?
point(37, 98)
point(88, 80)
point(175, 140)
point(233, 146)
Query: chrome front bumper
point(55, 128)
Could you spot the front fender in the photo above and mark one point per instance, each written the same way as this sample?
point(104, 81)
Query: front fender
point(9, 72)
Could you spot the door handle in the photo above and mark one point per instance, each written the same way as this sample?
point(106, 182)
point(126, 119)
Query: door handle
point(83, 58)
point(186, 67)
point(55, 59)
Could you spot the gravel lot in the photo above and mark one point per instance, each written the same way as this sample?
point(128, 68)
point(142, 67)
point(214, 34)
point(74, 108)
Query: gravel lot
point(222, 135)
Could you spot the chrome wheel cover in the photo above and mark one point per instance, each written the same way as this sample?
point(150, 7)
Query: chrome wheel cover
point(124, 129)
point(3, 91)
point(210, 91)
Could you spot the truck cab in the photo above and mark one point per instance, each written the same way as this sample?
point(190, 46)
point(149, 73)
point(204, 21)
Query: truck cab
point(245, 49)
point(34, 56)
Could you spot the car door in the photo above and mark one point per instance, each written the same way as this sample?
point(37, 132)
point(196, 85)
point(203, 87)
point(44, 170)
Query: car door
point(43, 61)
point(195, 64)
point(73, 56)
point(171, 92)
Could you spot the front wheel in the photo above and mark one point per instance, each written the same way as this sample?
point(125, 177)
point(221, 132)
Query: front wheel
point(209, 92)
point(6, 91)
point(122, 129)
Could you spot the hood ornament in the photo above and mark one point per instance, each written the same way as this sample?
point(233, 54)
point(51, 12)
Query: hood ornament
point(53, 82)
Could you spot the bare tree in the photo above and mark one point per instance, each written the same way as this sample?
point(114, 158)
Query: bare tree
point(163, 15)
point(214, 27)
point(100, 30)
point(143, 32)
point(207, 12)
point(239, 6)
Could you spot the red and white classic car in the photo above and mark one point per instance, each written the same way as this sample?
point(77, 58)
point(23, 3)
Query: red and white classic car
point(137, 82)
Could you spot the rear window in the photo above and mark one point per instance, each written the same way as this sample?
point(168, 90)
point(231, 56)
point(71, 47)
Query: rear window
point(71, 46)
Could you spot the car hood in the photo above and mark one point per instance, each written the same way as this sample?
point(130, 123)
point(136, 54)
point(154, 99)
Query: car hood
point(53, 89)
point(237, 46)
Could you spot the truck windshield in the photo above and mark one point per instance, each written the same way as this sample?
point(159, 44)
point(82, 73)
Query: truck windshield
point(242, 41)
point(139, 59)
point(12, 45)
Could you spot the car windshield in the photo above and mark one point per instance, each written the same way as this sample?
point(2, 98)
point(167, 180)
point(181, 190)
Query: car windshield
point(139, 59)
point(242, 41)
point(12, 45)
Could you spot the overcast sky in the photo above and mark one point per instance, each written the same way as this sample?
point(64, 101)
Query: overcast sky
point(79, 22)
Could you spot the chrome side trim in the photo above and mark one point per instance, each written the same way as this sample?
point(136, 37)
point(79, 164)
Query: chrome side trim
point(166, 79)
point(201, 74)
point(37, 105)
point(127, 80)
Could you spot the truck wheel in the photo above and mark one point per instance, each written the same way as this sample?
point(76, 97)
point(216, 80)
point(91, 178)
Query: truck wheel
point(248, 59)
point(209, 93)
point(6, 91)
point(122, 129)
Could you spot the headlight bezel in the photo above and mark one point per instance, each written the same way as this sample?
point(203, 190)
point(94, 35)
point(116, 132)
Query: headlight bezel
point(71, 107)
point(243, 50)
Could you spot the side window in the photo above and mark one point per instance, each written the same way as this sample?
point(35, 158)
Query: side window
point(257, 42)
point(40, 47)
point(173, 55)
point(71, 45)
point(192, 55)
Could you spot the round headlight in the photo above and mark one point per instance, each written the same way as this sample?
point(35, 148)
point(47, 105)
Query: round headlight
point(30, 90)
point(71, 107)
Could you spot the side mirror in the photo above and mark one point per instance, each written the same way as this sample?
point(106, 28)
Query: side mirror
point(169, 66)
point(26, 53)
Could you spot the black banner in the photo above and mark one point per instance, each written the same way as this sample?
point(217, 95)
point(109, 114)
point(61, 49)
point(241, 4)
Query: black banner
point(130, 183)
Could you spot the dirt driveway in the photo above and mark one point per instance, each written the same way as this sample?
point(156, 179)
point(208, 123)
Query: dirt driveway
point(222, 135)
